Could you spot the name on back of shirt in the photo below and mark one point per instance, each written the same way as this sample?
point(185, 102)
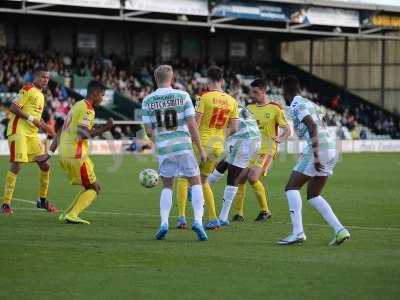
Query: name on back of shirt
point(166, 102)
point(219, 101)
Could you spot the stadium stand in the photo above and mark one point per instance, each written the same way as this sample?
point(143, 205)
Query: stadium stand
point(134, 81)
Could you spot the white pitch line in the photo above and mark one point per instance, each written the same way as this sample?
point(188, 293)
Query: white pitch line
point(23, 200)
point(396, 229)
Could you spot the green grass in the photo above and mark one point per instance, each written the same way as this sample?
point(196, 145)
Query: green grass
point(116, 257)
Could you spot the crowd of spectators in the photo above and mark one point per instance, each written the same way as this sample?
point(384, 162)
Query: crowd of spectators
point(16, 68)
point(134, 80)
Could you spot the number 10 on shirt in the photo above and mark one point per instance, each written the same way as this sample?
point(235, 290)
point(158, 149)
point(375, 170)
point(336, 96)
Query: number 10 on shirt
point(167, 119)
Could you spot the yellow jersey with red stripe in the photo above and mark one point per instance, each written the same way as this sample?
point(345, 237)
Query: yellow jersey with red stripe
point(30, 100)
point(217, 108)
point(269, 117)
point(71, 144)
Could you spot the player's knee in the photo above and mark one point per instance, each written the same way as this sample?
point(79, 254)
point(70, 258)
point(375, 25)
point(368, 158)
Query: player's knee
point(231, 180)
point(45, 167)
point(222, 166)
point(196, 180)
point(94, 186)
point(311, 194)
point(97, 188)
point(168, 186)
point(252, 177)
point(289, 186)
point(15, 167)
point(168, 182)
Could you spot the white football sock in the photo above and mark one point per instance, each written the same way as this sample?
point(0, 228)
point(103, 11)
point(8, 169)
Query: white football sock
point(198, 203)
point(295, 204)
point(229, 195)
point(214, 177)
point(323, 207)
point(165, 204)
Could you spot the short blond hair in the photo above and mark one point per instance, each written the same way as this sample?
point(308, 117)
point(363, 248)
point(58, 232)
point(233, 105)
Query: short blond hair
point(163, 74)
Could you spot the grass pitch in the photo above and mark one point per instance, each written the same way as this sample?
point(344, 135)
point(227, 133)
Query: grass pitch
point(116, 257)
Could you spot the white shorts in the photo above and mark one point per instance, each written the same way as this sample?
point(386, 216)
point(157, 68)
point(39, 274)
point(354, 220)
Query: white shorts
point(240, 152)
point(181, 165)
point(305, 163)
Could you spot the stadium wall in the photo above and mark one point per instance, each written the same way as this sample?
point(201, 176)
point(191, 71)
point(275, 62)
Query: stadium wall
point(135, 40)
point(117, 147)
point(368, 68)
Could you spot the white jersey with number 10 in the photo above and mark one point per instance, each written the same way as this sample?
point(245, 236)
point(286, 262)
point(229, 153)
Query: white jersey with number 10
point(166, 110)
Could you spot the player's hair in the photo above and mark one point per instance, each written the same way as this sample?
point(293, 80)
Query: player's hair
point(291, 85)
point(163, 73)
point(38, 71)
point(95, 86)
point(259, 83)
point(215, 74)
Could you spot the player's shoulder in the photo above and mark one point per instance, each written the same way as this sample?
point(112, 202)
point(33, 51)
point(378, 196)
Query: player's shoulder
point(206, 95)
point(146, 99)
point(27, 89)
point(276, 105)
point(203, 92)
point(79, 105)
point(180, 92)
point(89, 106)
point(83, 105)
point(184, 94)
point(252, 107)
point(297, 100)
point(213, 93)
point(233, 100)
point(299, 104)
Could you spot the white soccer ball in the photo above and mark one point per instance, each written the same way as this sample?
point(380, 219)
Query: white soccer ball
point(148, 178)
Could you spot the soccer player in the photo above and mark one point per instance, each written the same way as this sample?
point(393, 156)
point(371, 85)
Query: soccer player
point(24, 142)
point(314, 166)
point(215, 112)
point(241, 147)
point(169, 119)
point(270, 117)
point(73, 141)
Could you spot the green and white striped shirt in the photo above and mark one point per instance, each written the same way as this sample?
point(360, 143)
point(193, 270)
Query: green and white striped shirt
point(166, 110)
point(248, 128)
point(302, 107)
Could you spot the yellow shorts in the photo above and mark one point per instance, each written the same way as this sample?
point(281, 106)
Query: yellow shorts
point(263, 160)
point(214, 155)
point(24, 148)
point(79, 171)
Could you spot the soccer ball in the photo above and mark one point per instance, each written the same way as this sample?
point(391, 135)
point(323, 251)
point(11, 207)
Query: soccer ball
point(148, 178)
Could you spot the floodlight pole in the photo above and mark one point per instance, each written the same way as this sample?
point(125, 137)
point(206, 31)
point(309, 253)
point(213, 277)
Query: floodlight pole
point(311, 60)
point(383, 64)
point(346, 69)
point(346, 63)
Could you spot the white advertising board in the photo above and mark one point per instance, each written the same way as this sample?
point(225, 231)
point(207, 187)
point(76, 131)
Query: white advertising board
point(116, 147)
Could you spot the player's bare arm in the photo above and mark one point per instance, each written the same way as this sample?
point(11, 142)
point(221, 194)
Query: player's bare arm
point(194, 133)
point(198, 118)
point(53, 147)
point(19, 113)
point(232, 127)
point(313, 131)
point(150, 132)
point(286, 132)
point(86, 133)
